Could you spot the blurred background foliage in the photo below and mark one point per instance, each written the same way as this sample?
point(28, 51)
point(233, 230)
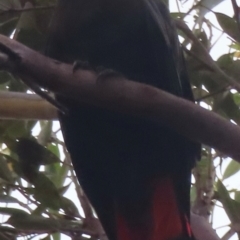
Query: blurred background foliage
point(40, 197)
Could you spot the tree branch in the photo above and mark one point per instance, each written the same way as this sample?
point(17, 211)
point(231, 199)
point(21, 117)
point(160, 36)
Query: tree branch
point(202, 228)
point(14, 105)
point(122, 95)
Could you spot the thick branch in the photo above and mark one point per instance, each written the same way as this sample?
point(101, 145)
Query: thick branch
point(202, 229)
point(124, 96)
point(15, 105)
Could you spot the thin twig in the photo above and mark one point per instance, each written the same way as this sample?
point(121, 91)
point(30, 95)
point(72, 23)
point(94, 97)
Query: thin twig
point(206, 58)
point(236, 13)
point(21, 10)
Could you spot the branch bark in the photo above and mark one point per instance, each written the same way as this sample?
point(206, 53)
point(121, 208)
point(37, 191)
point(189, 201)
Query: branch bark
point(14, 105)
point(122, 95)
point(202, 229)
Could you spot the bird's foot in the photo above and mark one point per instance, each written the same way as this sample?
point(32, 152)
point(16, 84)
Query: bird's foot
point(102, 72)
point(106, 74)
point(82, 65)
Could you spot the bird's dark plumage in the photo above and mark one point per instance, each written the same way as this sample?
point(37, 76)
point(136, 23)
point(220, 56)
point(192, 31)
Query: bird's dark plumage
point(135, 171)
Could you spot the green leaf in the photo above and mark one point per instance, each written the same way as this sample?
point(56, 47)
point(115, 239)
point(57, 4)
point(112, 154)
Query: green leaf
point(63, 189)
point(54, 148)
point(5, 77)
point(13, 165)
point(237, 196)
point(57, 173)
point(225, 105)
point(231, 206)
point(5, 171)
point(56, 236)
point(16, 129)
point(236, 98)
point(46, 192)
point(9, 26)
point(235, 46)
point(38, 223)
point(9, 4)
point(33, 223)
point(31, 38)
point(228, 25)
point(45, 133)
point(225, 61)
point(232, 168)
point(31, 155)
point(27, 19)
point(69, 207)
point(13, 211)
point(8, 199)
point(177, 15)
point(48, 237)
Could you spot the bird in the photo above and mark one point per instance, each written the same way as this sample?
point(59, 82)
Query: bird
point(135, 171)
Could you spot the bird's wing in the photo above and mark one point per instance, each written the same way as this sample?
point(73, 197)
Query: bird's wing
point(162, 28)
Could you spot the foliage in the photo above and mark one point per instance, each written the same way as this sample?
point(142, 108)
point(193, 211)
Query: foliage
point(35, 170)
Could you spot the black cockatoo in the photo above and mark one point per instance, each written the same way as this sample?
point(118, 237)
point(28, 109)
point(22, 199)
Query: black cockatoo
point(135, 171)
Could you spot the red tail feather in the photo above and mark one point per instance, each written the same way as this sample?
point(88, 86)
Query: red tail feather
point(167, 223)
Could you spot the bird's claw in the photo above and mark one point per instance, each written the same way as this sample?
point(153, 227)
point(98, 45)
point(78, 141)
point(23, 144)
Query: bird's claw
point(83, 65)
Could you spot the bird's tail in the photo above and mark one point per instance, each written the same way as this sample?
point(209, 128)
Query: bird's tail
point(166, 221)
